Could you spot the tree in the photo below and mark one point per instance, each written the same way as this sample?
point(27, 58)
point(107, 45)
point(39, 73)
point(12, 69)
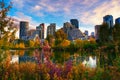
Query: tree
point(60, 35)
point(65, 43)
point(5, 21)
point(92, 40)
point(50, 39)
point(21, 45)
point(31, 43)
point(116, 33)
point(78, 43)
point(104, 33)
point(37, 42)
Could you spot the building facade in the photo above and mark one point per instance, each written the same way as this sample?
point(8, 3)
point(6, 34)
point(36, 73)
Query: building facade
point(67, 27)
point(92, 34)
point(24, 26)
point(75, 23)
point(97, 32)
point(109, 20)
point(42, 30)
point(117, 21)
point(86, 32)
point(51, 29)
point(72, 31)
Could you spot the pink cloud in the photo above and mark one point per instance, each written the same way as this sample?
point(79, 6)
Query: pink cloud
point(95, 16)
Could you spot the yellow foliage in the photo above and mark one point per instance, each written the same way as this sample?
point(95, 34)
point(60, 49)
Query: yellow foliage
point(65, 43)
point(17, 46)
point(32, 43)
point(92, 40)
point(81, 43)
point(78, 42)
point(37, 42)
point(21, 45)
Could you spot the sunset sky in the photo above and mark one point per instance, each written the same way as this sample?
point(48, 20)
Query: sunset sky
point(88, 12)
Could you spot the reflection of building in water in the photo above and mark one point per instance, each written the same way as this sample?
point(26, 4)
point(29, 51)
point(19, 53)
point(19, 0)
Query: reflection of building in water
point(87, 61)
point(14, 59)
point(91, 62)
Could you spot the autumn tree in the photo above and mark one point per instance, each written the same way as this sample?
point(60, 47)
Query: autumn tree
point(5, 21)
point(65, 43)
point(7, 28)
point(92, 40)
point(78, 43)
point(37, 42)
point(31, 43)
point(50, 39)
point(60, 35)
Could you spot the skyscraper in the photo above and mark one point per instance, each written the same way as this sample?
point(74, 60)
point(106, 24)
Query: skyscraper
point(117, 21)
point(86, 32)
point(109, 20)
point(75, 23)
point(97, 31)
point(42, 27)
point(23, 29)
point(92, 34)
point(51, 29)
point(67, 27)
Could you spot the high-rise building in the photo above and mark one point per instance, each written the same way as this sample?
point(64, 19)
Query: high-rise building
point(75, 23)
point(67, 27)
point(51, 29)
point(117, 21)
point(86, 32)
point(72, 31)
point(92, 34)
point(42, 30)
point(30, 32)
point(97, 31)
point(23, 29)
point(109, 20)
point(75, 34)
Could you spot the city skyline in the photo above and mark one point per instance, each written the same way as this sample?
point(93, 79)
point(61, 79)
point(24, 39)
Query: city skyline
point(88, 12)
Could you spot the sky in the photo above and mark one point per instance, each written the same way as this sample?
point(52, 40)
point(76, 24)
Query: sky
point(88, 12)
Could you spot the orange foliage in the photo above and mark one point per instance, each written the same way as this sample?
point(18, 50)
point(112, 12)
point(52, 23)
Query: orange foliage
point(92, 40)
point(21, 45)
point(65, 43)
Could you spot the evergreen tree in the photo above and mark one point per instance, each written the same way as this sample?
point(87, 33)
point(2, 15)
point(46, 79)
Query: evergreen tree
point(116, 33)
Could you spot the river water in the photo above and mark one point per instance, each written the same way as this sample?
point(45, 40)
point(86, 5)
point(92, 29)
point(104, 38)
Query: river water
point(56, 57)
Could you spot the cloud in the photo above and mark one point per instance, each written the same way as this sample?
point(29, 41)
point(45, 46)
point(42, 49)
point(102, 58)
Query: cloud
point(18, 3)
point(89, 12)
point(37, 8)
point(95, 16)
point(21, 16)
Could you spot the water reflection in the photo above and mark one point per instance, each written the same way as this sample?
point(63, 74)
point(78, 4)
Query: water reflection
point(91, 62)
point(39, 57)
point(14, 59)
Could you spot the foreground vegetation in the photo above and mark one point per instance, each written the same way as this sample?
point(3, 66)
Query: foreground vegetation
point(56, 71)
